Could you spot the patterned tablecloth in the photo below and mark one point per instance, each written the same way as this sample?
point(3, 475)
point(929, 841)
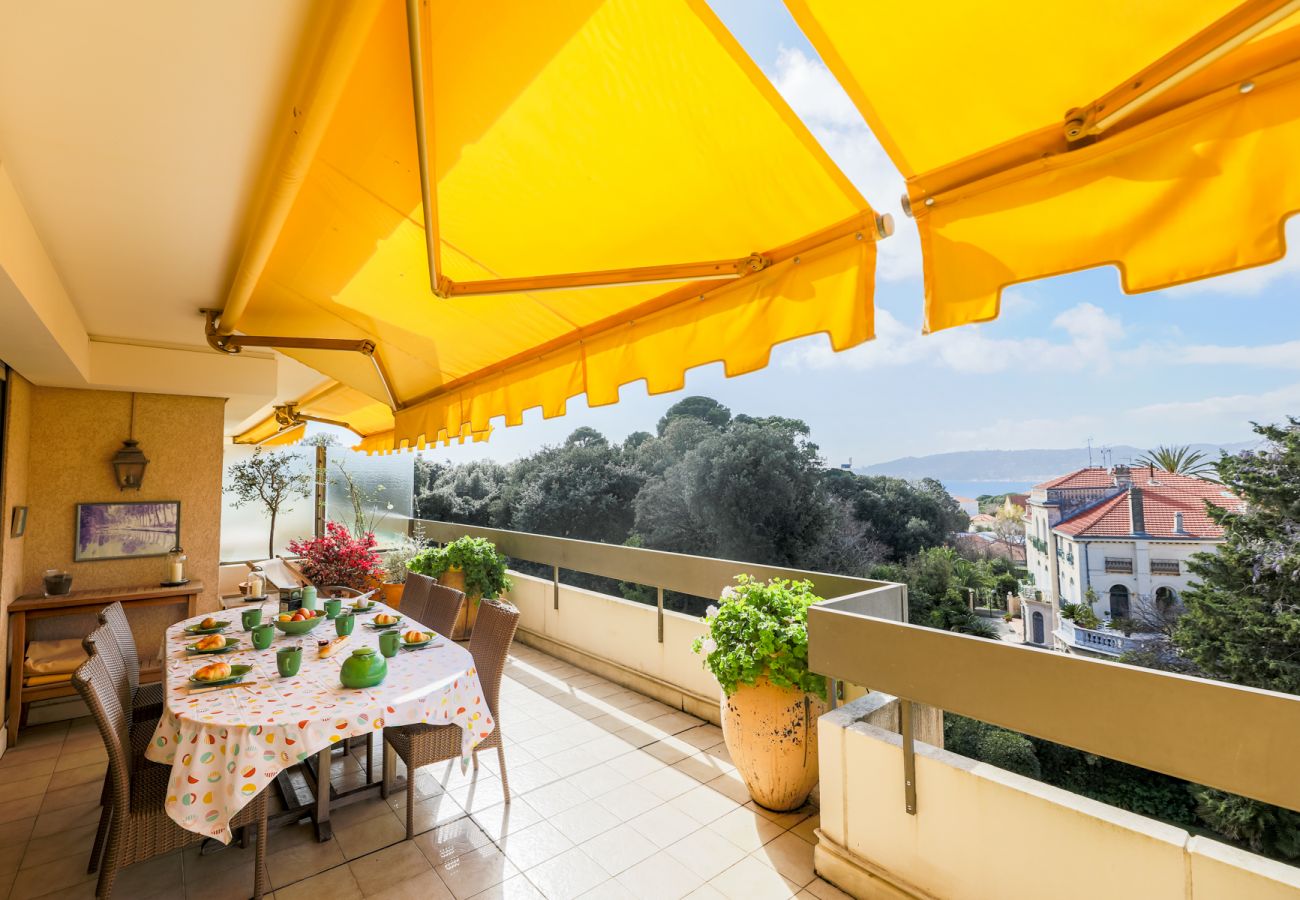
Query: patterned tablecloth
point(224, 746)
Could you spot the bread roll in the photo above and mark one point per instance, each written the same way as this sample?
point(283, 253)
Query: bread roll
point(213, 672)
point(415, 637)
point(211, 642)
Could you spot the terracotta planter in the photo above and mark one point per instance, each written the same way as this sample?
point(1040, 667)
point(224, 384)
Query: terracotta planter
point(455, 578)
point(392, 593)
point(771, 734)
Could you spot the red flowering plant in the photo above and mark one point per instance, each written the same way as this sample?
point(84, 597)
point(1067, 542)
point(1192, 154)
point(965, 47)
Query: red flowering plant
point(338, 558)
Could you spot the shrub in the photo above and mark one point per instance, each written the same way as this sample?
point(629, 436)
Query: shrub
point(1266, 829)
point(338, 558)
point(761, 629)
point(484, 566)
point(1009, 750)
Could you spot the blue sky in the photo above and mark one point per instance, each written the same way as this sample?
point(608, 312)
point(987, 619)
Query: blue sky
point(1070, 358)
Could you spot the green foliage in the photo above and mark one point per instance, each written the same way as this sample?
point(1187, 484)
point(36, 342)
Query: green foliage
point(478, 558)
point(991, 744)
point(1128, 787)
point(583, 489)
point(1180, 460)
point(1266, 829)
point(761, 628)
point(470, 493)
point(1084, 617)
point(906, 516)
point(1242, 622)
point(1069, 610)
point(269, 480)
point(938, 581)
point(703, 409)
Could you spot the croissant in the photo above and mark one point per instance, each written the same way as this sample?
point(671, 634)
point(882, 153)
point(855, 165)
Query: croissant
point(211, 642)
point(213, 672)
point(415, 637)
point(385, 619)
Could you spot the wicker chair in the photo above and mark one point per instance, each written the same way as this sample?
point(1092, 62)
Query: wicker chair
point(146, 700)
point(424, 745)
point(431, 604)
point(140, 828)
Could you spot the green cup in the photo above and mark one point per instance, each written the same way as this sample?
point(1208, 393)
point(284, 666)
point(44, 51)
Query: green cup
point(263, 635)
point(389, 641)
point(343, 623)
point(252, 618)
point(288, 660)
point(332, 607)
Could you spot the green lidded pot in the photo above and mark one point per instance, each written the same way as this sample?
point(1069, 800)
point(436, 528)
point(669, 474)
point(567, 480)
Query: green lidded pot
point(363, 669)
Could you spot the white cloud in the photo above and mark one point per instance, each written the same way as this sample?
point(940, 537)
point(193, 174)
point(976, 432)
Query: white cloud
point(826, 109)
point(1269, 356)
point(1234, 409)
point(1056, 433)
point(969, 349)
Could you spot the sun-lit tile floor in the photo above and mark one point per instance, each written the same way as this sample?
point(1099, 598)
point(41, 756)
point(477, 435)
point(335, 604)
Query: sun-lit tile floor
point(613, 795)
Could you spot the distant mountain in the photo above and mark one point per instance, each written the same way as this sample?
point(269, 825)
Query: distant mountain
point(1028, 466)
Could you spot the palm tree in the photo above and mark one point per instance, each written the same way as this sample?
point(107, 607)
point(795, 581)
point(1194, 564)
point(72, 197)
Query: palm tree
point(1181, 461)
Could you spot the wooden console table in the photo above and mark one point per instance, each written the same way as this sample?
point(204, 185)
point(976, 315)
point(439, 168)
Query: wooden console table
point(38, 606)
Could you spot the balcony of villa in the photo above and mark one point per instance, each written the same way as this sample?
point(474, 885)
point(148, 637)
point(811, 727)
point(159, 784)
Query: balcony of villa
point(1102, 640)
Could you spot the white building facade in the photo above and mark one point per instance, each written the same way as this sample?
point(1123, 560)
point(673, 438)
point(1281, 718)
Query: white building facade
point(1125, 533)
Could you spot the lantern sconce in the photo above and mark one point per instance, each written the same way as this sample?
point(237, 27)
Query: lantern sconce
point(129, 462)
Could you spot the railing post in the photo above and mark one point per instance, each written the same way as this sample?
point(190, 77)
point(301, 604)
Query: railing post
point(555, 585)
point(909, 755)
point(660, 615)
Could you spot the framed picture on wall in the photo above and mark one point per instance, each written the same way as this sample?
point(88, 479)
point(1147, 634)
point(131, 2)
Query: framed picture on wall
point(126, 530)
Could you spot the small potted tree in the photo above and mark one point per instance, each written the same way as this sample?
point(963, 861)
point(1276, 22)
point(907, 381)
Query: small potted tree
point(337, 559)
point(471, 565)
point(757, 648)
point(395, 567)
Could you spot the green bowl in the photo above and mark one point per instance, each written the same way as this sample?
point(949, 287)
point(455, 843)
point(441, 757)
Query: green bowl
point(302, 626)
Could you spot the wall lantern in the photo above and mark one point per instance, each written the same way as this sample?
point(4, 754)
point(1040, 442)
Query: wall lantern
point(129, 462)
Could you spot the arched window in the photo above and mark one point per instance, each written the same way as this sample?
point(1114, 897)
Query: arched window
point(1165, 598)
point(1038, 636)
point(1119, 602)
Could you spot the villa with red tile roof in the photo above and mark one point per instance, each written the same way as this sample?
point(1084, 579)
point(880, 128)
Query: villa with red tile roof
point(1125, 532)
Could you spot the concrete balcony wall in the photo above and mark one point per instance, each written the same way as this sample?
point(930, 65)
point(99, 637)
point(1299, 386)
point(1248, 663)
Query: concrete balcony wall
point(982, 832)
point(618, 639)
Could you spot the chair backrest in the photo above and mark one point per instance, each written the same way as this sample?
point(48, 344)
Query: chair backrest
point(435, 605)
point(489, 645)
point(114, 616)
point(103, 642)
point(99, 687)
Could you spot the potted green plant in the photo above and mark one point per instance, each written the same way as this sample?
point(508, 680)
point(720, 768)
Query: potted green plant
point(395, 568)
point(757, 648)
point(469, 564)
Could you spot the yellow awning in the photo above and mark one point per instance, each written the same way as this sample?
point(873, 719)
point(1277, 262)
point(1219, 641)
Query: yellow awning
point(563, 138)
point(1043, 138)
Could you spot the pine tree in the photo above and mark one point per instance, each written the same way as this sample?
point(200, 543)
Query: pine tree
point(1243, 615)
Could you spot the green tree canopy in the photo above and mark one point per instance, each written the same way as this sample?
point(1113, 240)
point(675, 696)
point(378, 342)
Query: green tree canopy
point(705, 409)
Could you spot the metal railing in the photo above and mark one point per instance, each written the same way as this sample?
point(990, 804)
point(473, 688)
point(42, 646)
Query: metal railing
point(700, 576)
point(1237, 739)
point(1101, 640)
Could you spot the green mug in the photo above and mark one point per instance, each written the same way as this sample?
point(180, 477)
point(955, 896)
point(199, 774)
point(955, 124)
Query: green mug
point(343, 623)
point(288, 660)
point(389, 641)
point(263, 635)
point(332, 607)
point(252, 618)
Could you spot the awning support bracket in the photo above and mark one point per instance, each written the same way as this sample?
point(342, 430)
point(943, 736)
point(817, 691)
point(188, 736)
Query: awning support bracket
point(235, 343)
point(1239, 26)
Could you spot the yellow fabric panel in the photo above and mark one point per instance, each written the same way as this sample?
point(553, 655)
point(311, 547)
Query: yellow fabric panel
point(582, 136)
point(944, 80)
point(736, 324)
point(286, 438)
point(1169, 202)
point(971, 108)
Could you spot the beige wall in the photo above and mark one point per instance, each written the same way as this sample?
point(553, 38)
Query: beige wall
point(75, 433)
point(973, 821)
point(57, 447)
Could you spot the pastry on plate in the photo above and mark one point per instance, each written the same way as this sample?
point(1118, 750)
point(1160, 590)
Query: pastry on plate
point(213, 672)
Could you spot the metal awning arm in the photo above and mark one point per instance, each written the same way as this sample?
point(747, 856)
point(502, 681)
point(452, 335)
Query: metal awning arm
point(1239, 26)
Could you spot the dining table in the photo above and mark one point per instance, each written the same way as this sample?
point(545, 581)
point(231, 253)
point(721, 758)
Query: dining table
point(227, 744)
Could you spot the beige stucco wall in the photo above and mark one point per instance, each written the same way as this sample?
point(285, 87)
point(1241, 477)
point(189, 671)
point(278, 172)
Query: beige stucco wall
point(619, 639)
point(57, 447)
point(1079, 848)
point(75, 433)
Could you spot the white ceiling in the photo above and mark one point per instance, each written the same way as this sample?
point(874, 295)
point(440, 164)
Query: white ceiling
point(135, 134)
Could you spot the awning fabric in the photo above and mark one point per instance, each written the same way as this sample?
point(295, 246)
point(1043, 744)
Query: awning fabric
point(970, 102)
point(572, 137)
